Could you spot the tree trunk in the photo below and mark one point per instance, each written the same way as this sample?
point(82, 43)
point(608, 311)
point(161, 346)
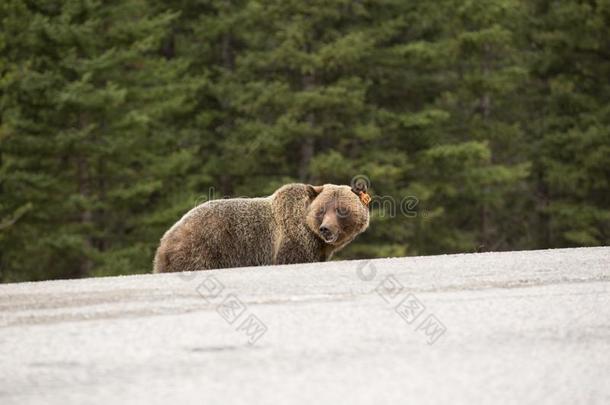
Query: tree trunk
point(227, 52)
point(228, 62)
point(485, 108)
point(226, 186)
point(86, 216)
point(308, 144)
point(168, 49)
point(542, 202)
point(307, 150)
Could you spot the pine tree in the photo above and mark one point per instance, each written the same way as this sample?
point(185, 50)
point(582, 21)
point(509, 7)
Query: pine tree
point(478, 168)
point(82, 98)
point(571, 126)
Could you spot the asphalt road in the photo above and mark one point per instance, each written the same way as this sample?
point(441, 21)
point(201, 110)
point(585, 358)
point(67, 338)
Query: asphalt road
point(516, 327)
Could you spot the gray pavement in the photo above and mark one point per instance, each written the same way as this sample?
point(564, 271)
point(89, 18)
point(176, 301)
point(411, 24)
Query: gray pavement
point(514, 327)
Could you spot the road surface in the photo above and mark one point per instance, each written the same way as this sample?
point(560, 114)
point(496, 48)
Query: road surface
point(515, 327)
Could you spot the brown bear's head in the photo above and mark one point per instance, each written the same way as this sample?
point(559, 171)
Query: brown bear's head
point(336, 213)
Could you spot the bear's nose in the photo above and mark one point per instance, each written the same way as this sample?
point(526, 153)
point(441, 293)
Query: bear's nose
point(327, 234)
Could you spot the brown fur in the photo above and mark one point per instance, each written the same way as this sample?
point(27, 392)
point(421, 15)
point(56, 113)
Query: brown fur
point(280, 229)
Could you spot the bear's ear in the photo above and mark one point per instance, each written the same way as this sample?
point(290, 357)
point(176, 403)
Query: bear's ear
point(359, 187)
point(313, 191)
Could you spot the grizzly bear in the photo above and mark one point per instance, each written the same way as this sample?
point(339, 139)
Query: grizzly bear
point(299, 223)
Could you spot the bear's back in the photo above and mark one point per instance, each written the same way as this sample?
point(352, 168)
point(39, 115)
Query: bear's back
point(219, 234)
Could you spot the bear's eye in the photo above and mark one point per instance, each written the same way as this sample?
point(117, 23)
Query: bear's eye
point(342, 211)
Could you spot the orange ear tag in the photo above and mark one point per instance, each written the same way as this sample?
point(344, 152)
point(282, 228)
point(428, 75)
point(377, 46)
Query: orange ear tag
point(365, 198)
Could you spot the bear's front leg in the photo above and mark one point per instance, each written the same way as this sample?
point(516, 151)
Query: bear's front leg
point(291, 252)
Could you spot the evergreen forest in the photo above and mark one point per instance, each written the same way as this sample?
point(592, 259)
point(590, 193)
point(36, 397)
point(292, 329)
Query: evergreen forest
point(480, 125)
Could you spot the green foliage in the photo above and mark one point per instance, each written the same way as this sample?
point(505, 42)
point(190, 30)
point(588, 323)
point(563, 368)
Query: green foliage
point(481, 125)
